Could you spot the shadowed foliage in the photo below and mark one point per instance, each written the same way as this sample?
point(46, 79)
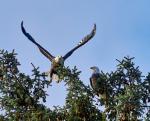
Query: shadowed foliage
point(126, 94)
point(23, 96)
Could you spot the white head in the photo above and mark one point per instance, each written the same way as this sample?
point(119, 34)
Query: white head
point(59, 59)
point(95, 69)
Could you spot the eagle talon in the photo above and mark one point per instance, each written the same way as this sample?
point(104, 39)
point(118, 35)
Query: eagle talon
point(50, 81)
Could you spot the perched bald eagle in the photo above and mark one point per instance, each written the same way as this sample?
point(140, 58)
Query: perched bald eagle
point(98, 84)
point(94, 79)
point(58, 60)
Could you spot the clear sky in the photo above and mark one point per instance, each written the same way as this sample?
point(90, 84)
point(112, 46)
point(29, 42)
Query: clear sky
point(123, 28)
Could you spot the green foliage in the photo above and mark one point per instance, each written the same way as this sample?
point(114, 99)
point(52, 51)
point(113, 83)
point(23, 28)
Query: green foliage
point(23, 97)
point(124, 93)
point(19, 93)
point(79, 100)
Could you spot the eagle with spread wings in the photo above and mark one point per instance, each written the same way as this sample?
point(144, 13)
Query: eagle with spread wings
point(56, 61)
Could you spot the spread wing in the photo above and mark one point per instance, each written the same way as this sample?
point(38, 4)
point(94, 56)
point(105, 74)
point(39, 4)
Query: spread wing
point(82, 42)
point(42, 50)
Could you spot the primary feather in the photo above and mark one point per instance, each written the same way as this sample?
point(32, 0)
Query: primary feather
point(42, 50)
point(82, 42)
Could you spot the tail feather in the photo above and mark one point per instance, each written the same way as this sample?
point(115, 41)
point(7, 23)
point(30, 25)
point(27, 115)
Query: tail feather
point(56, 78)
point(52, 76)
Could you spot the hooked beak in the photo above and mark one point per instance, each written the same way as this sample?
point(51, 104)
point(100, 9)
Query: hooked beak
point(92, 68)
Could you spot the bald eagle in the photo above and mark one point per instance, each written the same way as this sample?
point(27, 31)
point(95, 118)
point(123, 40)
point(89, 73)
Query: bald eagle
point(94, 78)
point(98, 84)
point(58, 60)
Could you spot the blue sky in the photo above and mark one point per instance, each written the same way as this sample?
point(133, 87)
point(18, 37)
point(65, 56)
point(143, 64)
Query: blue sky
point(123, 28)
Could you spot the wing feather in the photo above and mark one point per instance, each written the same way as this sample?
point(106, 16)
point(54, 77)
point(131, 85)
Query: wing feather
point(42, 50)
point(91, 83)
point(82, 42)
